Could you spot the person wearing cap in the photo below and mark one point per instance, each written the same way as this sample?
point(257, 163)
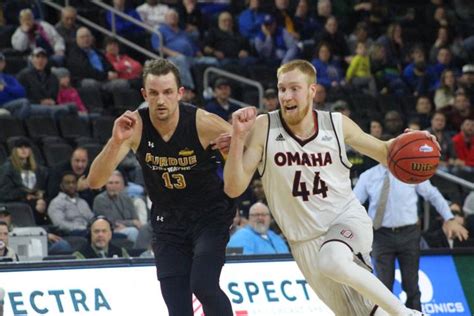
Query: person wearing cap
point(466, 81)
point(31, 34)
point(42, 86)
point(12, 93)
point(22, 179)
point(270, 100)
point(67, 94)
point(274, 44)
point(6, 253)
point(221, 104)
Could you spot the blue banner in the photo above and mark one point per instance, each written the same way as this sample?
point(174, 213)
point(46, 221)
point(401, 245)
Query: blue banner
point(441, 290)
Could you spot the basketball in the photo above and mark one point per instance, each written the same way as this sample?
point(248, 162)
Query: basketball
point(413, 157)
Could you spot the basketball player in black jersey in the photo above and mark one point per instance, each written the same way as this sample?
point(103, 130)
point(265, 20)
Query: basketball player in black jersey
point(191, 214)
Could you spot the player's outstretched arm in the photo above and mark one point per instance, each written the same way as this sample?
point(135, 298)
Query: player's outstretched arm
point(364, 143)
point(246, 148)
point(126, 129)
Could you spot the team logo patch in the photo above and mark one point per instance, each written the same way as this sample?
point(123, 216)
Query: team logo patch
point(280, 138)
point(347, 233)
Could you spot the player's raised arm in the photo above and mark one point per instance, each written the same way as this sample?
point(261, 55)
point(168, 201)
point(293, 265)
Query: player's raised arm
point(363, 142)
point(210, 126)
point(126, 129)
point(246, 149)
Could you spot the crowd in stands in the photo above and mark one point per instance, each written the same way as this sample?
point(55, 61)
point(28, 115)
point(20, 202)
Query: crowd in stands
point(386, 65)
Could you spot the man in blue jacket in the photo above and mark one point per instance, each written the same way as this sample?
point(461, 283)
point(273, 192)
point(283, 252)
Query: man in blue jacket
point(12, 93)
point(257, 238)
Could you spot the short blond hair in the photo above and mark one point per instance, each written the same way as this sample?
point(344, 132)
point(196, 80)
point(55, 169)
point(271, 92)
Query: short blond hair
point(299, 64)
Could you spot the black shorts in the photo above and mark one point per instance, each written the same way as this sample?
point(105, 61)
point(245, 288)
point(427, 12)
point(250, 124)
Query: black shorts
point(177, 243)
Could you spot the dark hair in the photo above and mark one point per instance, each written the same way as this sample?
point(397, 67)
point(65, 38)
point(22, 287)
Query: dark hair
point(160, 67)
point(68, 173)
point(439, 112)
point(111, 40)
point(2, 223)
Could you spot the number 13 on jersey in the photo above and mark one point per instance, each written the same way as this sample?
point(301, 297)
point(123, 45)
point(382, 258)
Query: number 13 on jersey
point(300, 188)
point(174, 181)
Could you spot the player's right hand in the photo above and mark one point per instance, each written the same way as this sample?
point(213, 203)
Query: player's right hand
point(124, 126)
point(243, 119)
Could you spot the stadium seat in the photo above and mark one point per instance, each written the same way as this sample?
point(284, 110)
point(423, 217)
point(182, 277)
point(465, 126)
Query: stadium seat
point(39, 127)
point(3, 154)
point(102, 128)
point(92, 99)
point(55, 153)
point(93, 149)
point(10, 127)
point(126, 99)
point(22, 214)
point(73, 127)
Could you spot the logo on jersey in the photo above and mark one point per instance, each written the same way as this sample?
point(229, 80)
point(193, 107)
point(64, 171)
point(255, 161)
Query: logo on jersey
point(302, 159)
point(280, 138)
point(171, 164)
point(425, 149)
point(186, 152)
point(151, 144)
point(326, 138)
point(347, 233)
point(160, 219)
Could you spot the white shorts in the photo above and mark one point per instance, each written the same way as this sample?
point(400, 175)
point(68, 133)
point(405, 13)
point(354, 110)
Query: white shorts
point(355, 230)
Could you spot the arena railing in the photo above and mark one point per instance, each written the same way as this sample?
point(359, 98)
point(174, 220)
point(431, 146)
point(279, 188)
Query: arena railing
point(113, 32)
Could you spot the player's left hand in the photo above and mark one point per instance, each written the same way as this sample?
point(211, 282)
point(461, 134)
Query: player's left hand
point(452, 229)
point(222, 143)
point(428, 134)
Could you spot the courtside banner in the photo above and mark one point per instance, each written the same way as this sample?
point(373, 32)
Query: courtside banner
point(263, 288)
point(441, 291)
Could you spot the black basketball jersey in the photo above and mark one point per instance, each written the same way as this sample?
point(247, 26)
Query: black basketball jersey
point(180, 175)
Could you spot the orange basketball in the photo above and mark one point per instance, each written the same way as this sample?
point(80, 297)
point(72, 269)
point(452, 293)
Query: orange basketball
point(413, 157)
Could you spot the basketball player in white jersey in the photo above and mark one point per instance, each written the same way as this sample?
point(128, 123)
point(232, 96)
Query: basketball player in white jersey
point(300, 154)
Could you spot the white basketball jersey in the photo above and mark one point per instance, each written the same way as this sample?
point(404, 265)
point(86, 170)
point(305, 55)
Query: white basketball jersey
point(307, 183)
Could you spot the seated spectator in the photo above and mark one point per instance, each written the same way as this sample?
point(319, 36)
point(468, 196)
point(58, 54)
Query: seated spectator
point(459, 111)
point(376, 128)
point(11, 10)
point(125, 66)
point(12, 93)
point(90, 67)
point(442, 63)
point(283, 17)
point(394, 46)
point(448, 158)
point(328, 72)
point(42, 86)
point(114, 204)
point(67, 26)
point(123, 26)
point(220, 104)
point(418, 75)
point(6, 253)
point(191, 19)
point(270, 100)
point(359, 74)
point(67, 210)
point(22, 179)
point(464, 142)
point(79, 165)
point(466, 81)
point(393, 123)
point(336, 40)
point(274, 44)
point(444, 95)
point(305, 24)
point(445, 38)
point(99, 246)
point(319, 100)
point(180, 48)
point(152, 13)
point(32, 34)
point(360, 35)
point(250, 20)
point(67, 93)
point(227, 46)
point(423, 111)
point(257, 238)
point(387, 76)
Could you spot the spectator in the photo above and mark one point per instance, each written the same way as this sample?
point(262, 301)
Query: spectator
point(387, 76)
point(22, 179)
point(305, 24)
point(114, 204)
point(6, 253)
point(90, 67)
point(360, 35)
point(464, 142)
point(12, 93)
point(227, 46)
point(257, 238)
point(445, 39)
point(423, 111)
point(67, 210)
point(359, 74)
point(153, 13)
point(220, 104)
point(32, 34)
point(394, 212)
point(335, 39)
point(319, 100)
point(328, 72)
point(448, 158)
point(67, 93)
point(342, 107)
point(274, 44)
point(125, 66)
point(79, 165)
point(444, 95)
point(270, 100)
point(250, 20)
point(42, 86)
point(467, 81)
point(394, 46)
point(191, 19)
point(123, 26)
point(459, 111)
point(393, 123)
point(180, 48)
point(418, 75)
point(99, 246)
point(376, 128)
point(67, 26)
point(323, 12)
point(443, 62)
point(284, 18)
point(11, 10)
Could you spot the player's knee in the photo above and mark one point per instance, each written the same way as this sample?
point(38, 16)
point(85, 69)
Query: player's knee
point(204, 290)
point(333, 260)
